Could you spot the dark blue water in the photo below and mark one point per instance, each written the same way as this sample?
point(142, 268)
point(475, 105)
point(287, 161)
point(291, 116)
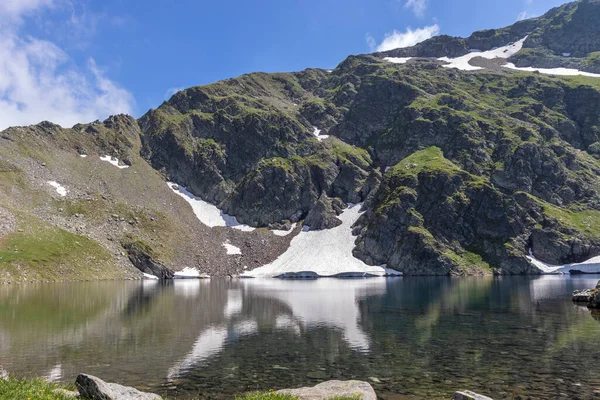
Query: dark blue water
point(412, 338)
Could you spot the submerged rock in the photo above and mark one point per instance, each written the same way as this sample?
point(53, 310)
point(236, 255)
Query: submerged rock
point(468, 395)
point(330, 389)
point(94, 388)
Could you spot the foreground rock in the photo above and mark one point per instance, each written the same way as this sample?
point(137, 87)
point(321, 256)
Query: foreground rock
point(589, 296)
point(360, 390)
point(468, 395)
point(94, 388)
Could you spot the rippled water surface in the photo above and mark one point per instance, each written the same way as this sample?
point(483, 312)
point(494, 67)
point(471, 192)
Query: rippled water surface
point(412, 337)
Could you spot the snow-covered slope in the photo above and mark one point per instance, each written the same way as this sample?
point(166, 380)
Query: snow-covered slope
point(591, 266)
point(501, 52)
point(325, 253)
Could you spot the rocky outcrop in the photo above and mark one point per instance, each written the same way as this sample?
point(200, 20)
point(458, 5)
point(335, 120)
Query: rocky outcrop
point(93, 388)
point(591, 297)
point(468, 395)
point(324, 214)
point(142, 257)
point(330, 389)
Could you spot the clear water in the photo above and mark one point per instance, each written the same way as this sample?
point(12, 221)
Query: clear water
point(419, 337)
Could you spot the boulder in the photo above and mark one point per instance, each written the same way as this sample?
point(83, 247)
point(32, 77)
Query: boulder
point(3, 374)
point(359, 389)
point(468, 395)
point(582, 296)
point(94, 388)
point(324, 214)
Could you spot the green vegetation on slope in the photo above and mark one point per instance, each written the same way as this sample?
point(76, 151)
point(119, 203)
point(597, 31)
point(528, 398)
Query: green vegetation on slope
point(31, 389)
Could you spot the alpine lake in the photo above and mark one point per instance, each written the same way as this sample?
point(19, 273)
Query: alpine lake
point(411, 338)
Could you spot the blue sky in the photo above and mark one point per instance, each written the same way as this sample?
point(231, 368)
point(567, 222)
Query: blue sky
point(73, 60)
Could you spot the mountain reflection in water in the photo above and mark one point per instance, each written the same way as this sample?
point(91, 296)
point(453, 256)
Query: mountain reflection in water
point(421, 337)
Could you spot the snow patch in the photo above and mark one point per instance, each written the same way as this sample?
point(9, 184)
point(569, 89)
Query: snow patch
point(325, 253)
point(60, 189)
point(231, 249)
point(83, 155)
point(114, 161)
point(591, 266)
point(207, 213)
point(566, 54)
point(462, 62)
point(189, 273)
point(277, 232)
point(552, 71)
point(317, 133)
point(397, 60)
point(150, 276)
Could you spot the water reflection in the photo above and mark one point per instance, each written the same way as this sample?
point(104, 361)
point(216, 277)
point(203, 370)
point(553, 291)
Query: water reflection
point(421, 337)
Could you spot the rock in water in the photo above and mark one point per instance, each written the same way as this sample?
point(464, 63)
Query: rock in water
point(359, 389)
point(3, 374)
point(468, 395)
point(582, 296)
point(94, 388)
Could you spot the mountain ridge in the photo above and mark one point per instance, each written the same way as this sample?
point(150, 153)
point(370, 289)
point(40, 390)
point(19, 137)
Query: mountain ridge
point(459, 172)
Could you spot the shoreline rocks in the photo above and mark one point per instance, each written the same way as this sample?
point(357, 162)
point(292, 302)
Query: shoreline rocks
point(589, 296)
point(93, 388)
point(330, 389)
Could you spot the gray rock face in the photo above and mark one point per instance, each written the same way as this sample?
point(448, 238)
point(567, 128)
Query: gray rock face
point(582, 296)
point(3, 373)
point(329, 389)
point(94, 388)
point(468, 395)
point(324, 213)
point(142, 259)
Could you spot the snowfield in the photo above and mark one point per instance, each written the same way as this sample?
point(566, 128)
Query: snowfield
point(397, 60)
point(207, 213)
point(60, 189)
point(591, 266)
point(326, 253)
point(284, 233)
point(114, 161)
point(552, 71)
point(462, 62)
point(231, 249)
point(189, 273)
point(317, 133)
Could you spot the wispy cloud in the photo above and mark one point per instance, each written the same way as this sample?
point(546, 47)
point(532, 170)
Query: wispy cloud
point(525, 15)
point(418, 7)
point(39, 81)
point(410, 37)
point(171, 91)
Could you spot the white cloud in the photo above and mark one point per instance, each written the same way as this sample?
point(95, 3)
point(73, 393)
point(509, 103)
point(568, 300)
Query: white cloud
point(410, 37)
point(417, 6)
point(39, 81)
point(525, 15)
point(171, 91)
